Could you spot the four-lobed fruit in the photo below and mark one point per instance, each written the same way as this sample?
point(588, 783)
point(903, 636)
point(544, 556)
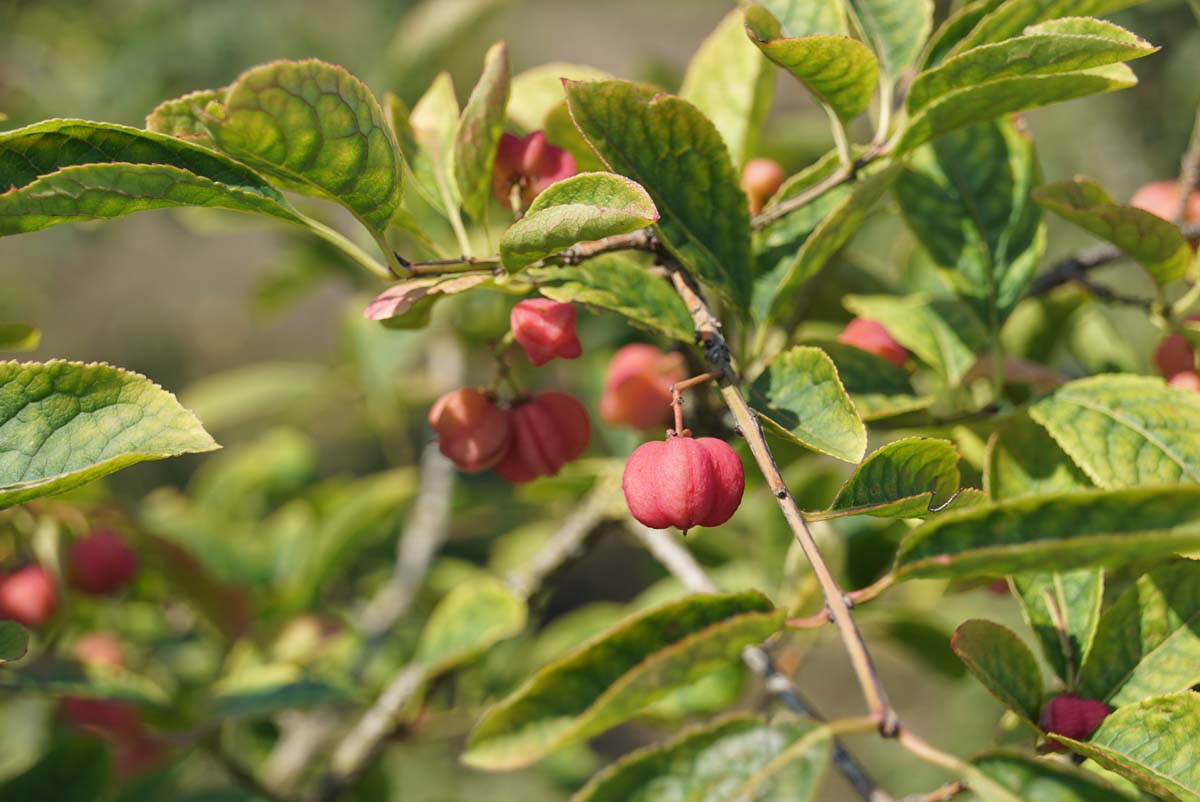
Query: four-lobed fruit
point(637, 386)
point(870, 335)
point(549, 429)
point(1072, 716)
point(28, 596)
point(473, 432)
point(761, 178)
point(101, 563)
point(545, 329)
point(530, 163)
point(683, 482)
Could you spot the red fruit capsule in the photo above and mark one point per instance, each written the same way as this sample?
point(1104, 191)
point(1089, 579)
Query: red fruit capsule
point(873, 337)
point(548, 430)
point(761, 178)
point(1072, 716)
point(28, 596)
point(472, 431)
point(637, 387)
point(101, 563)
point(531, 163)
point(545, 329)
point(683, 482)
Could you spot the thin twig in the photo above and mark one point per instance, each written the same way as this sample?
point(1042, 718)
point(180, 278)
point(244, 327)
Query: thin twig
point(1189, 171)
point(708, 333)
point(842, 175)
point(639, 240)
point(667, 549)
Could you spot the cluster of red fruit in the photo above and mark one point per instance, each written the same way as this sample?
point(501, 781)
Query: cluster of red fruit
point(1072, 716)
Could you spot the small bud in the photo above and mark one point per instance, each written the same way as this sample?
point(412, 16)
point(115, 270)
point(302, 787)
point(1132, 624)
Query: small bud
point(1073, 717)
point(545, 329)
point(101, 563)
point(473, 432)
point(873, 337)
point(531, 163)
point(683, 482)
point(761, 178)
point(637, 387)
point(548, 430)
point(28, 596)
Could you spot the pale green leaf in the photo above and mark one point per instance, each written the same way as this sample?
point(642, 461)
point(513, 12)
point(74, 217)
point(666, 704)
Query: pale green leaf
point(800, 397)
point(183, 116)
point(731, 82)
point(1125, 430)
point(582, 208)
point(1003, 663)
point(317, 129)
point(637, 132)
point(14, 641)
point(471, 619)
point(1147, 642)
point(1153, 242)
point(18, 337)
point(878, 388)
point(539, 90)
point(616, 283)
point(617, 674)
point(942, 332)
point(805, 18)
point(1023, 777)
point(1063, 610)
point(904, 479)
point(896, 29)
point(1154, 743)
point(63, 424)
point(839, 71)
point(737, 757)
point(433, 120)
point(1054, 533)
point(478, 132)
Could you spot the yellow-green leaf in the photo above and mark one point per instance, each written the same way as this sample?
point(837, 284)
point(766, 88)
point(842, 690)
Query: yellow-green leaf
point(478, 132)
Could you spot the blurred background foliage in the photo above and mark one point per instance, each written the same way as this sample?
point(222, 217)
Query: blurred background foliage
point(322, 413)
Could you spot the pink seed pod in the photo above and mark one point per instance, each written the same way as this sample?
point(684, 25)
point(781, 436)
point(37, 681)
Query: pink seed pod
point(472, 431)
point(531, 163)
point(101, 563)
point(545, 329)
point(683, 482)
point(637, 386)
point(548, 430)
point(28, 596)
point(1072, 716)
point(873, 337)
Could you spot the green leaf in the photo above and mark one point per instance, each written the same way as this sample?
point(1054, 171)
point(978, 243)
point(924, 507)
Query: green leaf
point(478, 132)
point(904, 479)
point(582, 208)
point(896, 29)
point(1063, 610)
point(539, 90)
point(637, 131)
point(183, 117)
point(75, 769)
point(954, 28)
point(1050, 48)
point(1054, 532)
point(840, 72)
point(14, 641)
point(943, 333)
point(1147, 642)
point(878, 388)
point(991, 99)
point(1152, 242)
point(1151, 743)
point(1003, 663)
point(1125, 430)
point(805, 18)
point(1022, 459)
point(18, 337)
point(615, 675)
point(271, 688)
point(616, 283)
point(966, 198)
point(1009, 19)
point(801, 398)
point(732, 84)
point(1026, 778)
point(317, 129)
point(63, 171)
point(63, 424)
point(774, 292)
point(468, 621)
point(434, 119)
point(740, 756)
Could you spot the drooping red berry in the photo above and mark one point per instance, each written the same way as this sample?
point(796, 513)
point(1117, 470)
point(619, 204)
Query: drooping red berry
point(761, 178)
point(472, 431)
point(545, 329)
point(28, 596)
point(1072, 716)
point(871, 336)
point(531, 163)
point(683, 482)
point(637, 387)
point(101, 563)
point(548, 430)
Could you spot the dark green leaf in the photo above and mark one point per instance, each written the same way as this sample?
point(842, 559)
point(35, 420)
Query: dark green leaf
point(966, 198)
point(637, 132)
point(1153, 242)
point(839, 71)
point(878, 388)
point(268, 689)
point(1063, 610)
point(1054, 532)
point(63, 424)
point(617, 674)
point(317, 129)
point(1147, 642)
point(468, 621)
point(618, 284)
point(1003, 663)
point(582, 208)
point(737, 757)
point(478, 132)
point(943, 333)
point(183, 116)
point(76, 769)
point(1153, 744)
point(732, 84)
point(18, 337)
point(954, 28)
point(14, 641)
point(896, 29)
point(1022, 459)
point(903, 479)
point(801, 398)
point(1026, 778)
point(1009, 19)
